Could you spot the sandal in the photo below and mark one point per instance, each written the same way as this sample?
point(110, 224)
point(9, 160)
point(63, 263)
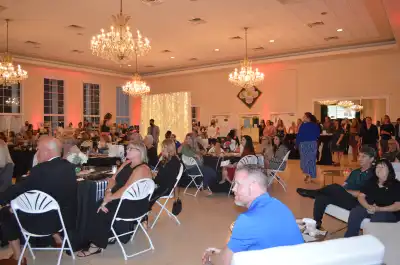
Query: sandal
point(87, 253)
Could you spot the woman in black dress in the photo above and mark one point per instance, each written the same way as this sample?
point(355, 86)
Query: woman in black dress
point(379, 199)
point(151, 151)
point(338, 144)
point(105, 127)
point(131, 171)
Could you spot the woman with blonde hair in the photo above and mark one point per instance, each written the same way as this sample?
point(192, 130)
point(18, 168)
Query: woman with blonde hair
point(6, 167)
point(353, 141)
point(167, 171)
point(135, 168)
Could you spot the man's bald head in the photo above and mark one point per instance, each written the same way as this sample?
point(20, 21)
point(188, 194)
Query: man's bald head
point(48, 147)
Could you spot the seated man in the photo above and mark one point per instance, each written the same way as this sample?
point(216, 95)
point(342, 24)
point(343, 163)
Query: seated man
point(54, 176)
point(266, 224)
point(343, 196)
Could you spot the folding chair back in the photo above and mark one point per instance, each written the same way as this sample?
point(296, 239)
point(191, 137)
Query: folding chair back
point(38, 202)
point(191, 162)
point(260, 160)
point(139, 190)
point(247, 160)
point(274, 172)
point(169, 196)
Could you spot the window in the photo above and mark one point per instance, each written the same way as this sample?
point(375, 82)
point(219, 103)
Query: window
point(54, 102)
point(122, 107)
point(91, 103)
point(10, 99)
point(195, 114)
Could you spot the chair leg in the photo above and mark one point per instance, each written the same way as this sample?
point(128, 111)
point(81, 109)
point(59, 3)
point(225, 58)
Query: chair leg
point(23, 250)
point(119, 242)
point(158, 215)
point(148, 237)
point(61, 251)
point(69, 245)
point(193, 180)
point(198, 188)
point(136, 228)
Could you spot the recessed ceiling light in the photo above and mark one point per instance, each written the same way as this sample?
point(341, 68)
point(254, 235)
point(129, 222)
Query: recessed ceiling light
point(172, 57)
point(129, 65)
point(339, 30)
point(216, 50)
point(271, 41)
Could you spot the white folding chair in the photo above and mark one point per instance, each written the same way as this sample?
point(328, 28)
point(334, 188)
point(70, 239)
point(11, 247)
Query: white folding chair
point(155, 168)
point(191, 162)
point(38, 202)
point(139, 190)
point(247, 160)
point(273, 173)
point(166, 198)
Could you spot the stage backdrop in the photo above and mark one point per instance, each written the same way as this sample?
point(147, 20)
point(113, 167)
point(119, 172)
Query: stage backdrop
point(170, 112)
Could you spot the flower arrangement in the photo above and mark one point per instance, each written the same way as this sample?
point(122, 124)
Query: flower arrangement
point(77, 158)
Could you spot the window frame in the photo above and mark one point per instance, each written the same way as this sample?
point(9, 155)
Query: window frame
point(63, 100)
point(124, 118)
point(91, 116)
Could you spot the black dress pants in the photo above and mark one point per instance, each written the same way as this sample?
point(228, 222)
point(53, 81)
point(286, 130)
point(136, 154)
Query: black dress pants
point(332, 194)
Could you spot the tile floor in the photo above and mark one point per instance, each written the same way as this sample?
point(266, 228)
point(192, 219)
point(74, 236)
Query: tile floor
point(205, 223)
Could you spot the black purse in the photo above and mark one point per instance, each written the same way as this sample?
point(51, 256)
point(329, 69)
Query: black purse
point(177, 205)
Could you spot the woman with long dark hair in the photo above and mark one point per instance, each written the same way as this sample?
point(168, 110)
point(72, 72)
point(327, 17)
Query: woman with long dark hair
point(279, 152)
point(387, 130)
point(306, 139)
point(105, 127)
point(338, 142)
point(379, 199)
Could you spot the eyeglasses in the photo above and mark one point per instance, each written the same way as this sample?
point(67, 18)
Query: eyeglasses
point(132, 148)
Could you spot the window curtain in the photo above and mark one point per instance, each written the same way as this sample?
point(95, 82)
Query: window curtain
point(170, 111)
point(10, 123)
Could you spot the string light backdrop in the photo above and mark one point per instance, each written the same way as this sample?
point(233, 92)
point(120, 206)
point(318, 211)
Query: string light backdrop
point(170, 111)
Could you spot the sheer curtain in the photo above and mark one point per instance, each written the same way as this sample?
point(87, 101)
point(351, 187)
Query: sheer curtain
point(170, 112)
point(11, 123)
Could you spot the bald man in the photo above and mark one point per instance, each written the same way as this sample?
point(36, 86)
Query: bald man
point(52, 175)
point(266, 224)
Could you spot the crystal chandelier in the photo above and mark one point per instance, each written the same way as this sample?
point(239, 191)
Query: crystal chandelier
point(119, 44)
point(9, 74)
point(136, 87)
point(345, 104)
point(357, 108)
point(12, 101)
point(327, 102)
point(246, 77)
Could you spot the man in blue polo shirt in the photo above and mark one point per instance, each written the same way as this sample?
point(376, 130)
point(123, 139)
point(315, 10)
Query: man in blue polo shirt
point(266, 224)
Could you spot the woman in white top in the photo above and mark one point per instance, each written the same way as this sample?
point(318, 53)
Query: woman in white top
point(213, 130)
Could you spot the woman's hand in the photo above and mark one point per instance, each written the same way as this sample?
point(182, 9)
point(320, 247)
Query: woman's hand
point(102, 208)
point(107, 198)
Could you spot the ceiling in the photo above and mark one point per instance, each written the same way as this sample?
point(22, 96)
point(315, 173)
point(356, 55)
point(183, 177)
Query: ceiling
point(167, 25)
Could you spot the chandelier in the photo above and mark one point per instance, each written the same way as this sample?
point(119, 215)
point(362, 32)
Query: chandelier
point(357, 108)
point(246, 77)
point(136, 87)
point(328, 102)
point(12, 101)
point(345, 104)
point(9, 74)
point(119, 44)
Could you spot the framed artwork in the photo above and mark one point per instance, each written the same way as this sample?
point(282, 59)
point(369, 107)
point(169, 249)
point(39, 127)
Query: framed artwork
point(249, 96)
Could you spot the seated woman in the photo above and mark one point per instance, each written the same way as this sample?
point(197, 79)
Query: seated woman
point(267, 149)
point(279, 152)
point(6, 167)
point(151, 151)
point(215, 148)
point(379, 199)
point(393, 150)
point(190, 148)
point(167, 171)
point(177, 143)
point(134, 169)
point(247, 146)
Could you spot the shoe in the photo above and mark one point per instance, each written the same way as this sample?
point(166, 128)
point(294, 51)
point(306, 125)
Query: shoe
point(307, 193)
point(12, 261)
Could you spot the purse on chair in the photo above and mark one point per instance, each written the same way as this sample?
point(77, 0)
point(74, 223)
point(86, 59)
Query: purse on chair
point(177, 205)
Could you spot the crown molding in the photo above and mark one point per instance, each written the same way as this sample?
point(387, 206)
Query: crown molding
point(74, 67)
point(386, 45)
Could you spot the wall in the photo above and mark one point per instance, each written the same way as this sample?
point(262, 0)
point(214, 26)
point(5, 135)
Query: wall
point(33, 94)
point(293, 86)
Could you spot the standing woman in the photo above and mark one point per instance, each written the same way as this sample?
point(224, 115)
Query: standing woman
point(280, 129)
point(261, 128)
point(387, 130)
point(213, 130)
point(354, 131)
point(307, 137)
point(105, 127)
point(338, 143)
point(293, 128)
point(299, 123)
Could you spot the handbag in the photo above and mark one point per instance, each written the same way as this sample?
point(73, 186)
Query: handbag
point(177, 205)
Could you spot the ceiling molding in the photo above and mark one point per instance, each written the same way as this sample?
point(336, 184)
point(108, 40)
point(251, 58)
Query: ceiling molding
point(283, 57)
point(392, 8)
point(231, 64)
point(73, 67)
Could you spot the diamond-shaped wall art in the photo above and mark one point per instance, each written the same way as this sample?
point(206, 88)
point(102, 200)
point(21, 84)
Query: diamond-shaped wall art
point(249, 96)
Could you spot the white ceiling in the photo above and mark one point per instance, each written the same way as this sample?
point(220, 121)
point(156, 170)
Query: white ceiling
point(167, 27)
